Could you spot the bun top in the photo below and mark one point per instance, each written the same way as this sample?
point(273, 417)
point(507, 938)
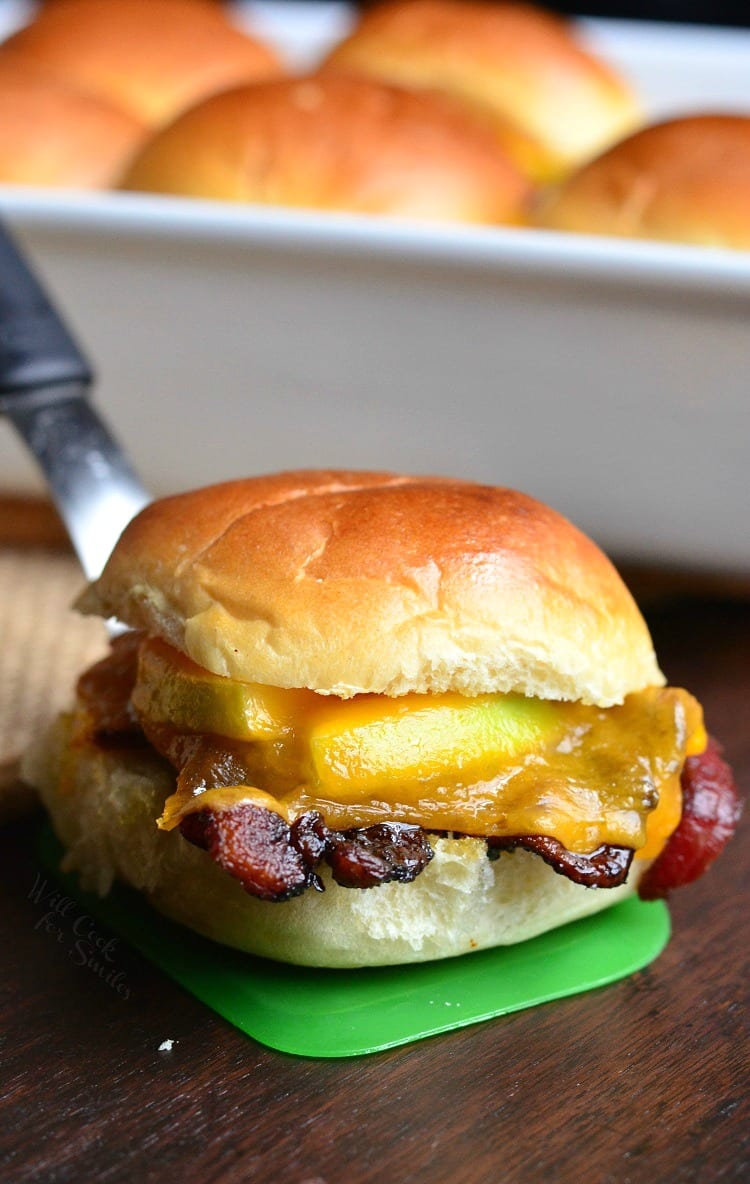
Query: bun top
point(368, 582)
point(334, 143)
point(684, 180)
point(150, 57)
point(52, 134)
point(513, 61)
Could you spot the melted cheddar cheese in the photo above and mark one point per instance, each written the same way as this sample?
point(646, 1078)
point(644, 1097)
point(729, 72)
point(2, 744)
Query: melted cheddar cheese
point(494, 765)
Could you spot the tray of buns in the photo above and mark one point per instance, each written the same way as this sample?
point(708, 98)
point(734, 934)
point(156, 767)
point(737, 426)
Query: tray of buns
point(598, 367)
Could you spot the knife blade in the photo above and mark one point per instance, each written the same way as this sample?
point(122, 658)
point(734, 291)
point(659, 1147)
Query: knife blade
point(45, 380)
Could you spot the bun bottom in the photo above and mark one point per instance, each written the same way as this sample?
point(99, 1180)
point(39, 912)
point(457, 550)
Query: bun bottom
point(104, 808)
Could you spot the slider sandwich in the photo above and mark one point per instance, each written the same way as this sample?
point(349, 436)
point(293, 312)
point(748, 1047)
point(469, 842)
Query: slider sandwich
point(362, 719)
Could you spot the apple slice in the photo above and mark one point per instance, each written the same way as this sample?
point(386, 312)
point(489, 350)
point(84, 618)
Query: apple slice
point(174, 690)
point(373, 742)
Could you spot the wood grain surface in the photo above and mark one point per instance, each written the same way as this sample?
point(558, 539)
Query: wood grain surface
point(644, 1081)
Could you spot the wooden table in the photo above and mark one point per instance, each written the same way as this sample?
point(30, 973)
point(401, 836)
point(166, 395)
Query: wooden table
point(647, 1080)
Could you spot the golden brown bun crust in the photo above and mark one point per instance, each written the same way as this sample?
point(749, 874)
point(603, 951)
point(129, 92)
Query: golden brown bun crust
point(334, 143)
point(513, 60)
point(366, 582)
point(686, 180)
point(51, 134)
point(151, 57)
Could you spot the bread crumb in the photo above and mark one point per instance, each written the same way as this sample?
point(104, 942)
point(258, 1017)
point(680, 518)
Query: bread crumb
point(167, 1045)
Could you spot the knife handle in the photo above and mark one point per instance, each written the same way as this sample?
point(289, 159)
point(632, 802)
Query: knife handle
point(36, 348)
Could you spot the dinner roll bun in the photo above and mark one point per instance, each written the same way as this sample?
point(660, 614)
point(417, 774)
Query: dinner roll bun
point(512, 61)
point(104, 807)
point(347, 583)
point(52, 134)
point(338, 144)
point(685, 180)
point(150, 57)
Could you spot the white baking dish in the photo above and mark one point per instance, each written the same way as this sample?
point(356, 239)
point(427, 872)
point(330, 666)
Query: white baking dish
point(608, 378)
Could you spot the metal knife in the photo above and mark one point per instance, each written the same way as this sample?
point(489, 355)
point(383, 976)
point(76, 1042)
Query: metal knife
point(45, 381)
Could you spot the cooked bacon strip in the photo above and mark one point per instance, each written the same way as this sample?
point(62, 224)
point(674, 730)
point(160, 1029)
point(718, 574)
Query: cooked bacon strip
point(309, 834)
point(254, 845)
point(607, 867)
point(376, 854)
point(711, 809)
point(104, 691)
point(204, 762)
point(274, 861)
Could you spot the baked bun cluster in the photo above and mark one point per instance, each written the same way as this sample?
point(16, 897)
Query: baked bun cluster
point(355, 136)
point(86, 81)
point(335, 143)
point(523, 68)
point(430, 109)
point(685, 180)
point(474, 111)
point(362, 719)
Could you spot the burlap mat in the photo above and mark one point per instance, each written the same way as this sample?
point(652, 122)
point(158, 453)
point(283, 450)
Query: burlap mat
point(43, 646)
